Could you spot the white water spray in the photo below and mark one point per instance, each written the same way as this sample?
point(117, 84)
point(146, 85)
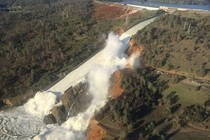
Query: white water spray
point(26, 121)
point(112, 58)
point(96, 71)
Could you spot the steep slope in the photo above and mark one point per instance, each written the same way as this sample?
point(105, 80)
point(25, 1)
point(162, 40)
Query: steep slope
point(110, 12)
point(97, 72)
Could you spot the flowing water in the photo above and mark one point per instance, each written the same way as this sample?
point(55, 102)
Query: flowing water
point(25, 122)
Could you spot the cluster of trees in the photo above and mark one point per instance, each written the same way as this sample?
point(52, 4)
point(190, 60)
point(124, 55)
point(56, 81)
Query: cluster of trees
point(171, 104)
point(202, 72)
point(141, 94)
point(161, 38)
point(7, 2)
point(43, 41)
point(151, 132)
point(177, 28)
point(196, 113)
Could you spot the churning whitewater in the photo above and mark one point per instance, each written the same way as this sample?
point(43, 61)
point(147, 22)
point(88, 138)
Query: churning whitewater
point(25, 122)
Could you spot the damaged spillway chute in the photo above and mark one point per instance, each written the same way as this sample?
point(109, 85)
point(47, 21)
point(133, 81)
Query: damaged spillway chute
point(67, 103)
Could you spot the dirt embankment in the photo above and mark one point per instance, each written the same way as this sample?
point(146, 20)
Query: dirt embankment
point(111, 11)
point(95, 132)
point(115, 88)
point(16, 101)
point(134, 48)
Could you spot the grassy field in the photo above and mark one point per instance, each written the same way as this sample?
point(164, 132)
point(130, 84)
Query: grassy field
point(178, 42)
point(193, 135)
point(188, 94)
point(178, 47)
point(189, 58)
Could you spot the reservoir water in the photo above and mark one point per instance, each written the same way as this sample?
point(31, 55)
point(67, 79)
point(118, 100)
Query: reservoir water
point(157, 5)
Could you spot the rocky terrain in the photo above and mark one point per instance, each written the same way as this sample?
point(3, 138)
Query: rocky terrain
point(182, 109)
point(73, 101)
point(21, 78)
point(96, 131)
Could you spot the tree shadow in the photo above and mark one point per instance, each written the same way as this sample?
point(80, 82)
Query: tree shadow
point(166, 128)
point(174, 99)
point(175, 107)
point(169, 136)
point(138, 123)
point(138, 129)
point(160, 121)
point(139, 126)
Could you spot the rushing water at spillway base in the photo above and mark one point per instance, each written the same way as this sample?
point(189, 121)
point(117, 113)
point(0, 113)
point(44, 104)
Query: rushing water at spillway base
point(26, 122)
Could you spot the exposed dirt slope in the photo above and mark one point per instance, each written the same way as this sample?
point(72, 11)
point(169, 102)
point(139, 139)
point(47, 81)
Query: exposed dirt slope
point(107, 11)
point(115, 88)
point(95, 132)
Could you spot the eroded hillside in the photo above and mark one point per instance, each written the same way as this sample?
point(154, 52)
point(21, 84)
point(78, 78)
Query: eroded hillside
point(41, 43)
point(168, 97)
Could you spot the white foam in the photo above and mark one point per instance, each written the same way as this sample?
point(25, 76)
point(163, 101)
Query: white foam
point(16, 124)
point(27, 120)
point(41, 104)
point(112, 58)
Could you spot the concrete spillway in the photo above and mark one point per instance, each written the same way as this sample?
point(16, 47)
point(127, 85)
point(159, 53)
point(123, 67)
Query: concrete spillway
point(25, 122)
point(75, 76)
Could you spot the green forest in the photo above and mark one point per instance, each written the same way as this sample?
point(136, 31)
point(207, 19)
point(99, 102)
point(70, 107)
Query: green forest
point(148, 109)
point(121, 117)
point(40, 43)
point(167, 39)
point(168, 97)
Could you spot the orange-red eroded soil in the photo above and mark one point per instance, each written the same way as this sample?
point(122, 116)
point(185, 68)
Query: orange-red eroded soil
point(111, 11)
point(115, 87)
point(95, 132)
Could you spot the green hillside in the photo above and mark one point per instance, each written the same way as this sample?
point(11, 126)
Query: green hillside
point(168, 97)
point(179, 43)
